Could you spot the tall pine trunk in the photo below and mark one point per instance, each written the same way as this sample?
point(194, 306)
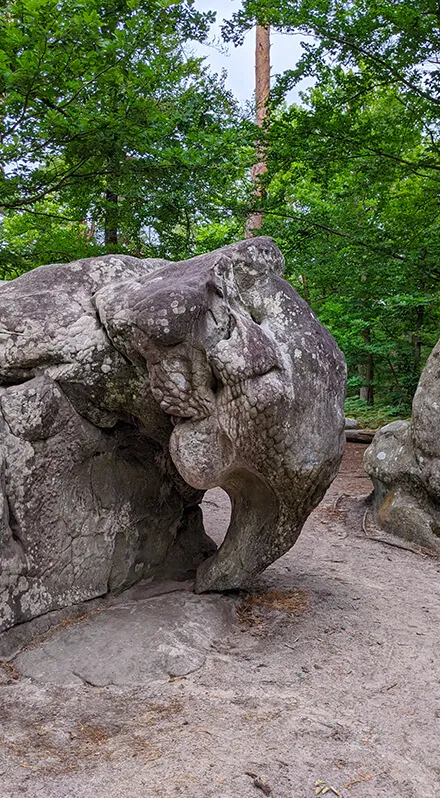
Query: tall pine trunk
point(262, 88)
point(417, 341)
point(366, 371)
point(111, 218)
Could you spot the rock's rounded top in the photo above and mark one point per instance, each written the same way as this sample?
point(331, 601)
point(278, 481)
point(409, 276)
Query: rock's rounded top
point(252, 256)
point(383, 458)
point(351, 423)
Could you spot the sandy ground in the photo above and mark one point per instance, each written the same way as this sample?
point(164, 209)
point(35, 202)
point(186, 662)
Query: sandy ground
point(326, 675)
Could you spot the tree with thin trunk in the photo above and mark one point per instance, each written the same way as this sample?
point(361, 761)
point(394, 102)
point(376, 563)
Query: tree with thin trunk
point(366, 370)
point(262, 88)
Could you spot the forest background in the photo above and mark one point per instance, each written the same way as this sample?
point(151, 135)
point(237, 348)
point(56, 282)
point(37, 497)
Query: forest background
point(115, 137)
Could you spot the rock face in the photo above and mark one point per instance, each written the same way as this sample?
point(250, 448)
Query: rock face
point(127, 388)
point(404, 463)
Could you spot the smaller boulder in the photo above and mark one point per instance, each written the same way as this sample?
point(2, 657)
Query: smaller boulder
point(403, 462)
point(351, 423)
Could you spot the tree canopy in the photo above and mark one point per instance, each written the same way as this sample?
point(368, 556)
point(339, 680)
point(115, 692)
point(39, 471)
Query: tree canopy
point(104, 108)
point(360, 231)
point(353, 181)
point(116, 138)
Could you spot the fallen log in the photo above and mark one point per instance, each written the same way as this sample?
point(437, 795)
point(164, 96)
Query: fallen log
point(359, 435)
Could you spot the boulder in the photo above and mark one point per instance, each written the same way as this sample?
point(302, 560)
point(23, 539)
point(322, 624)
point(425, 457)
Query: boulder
point(403, 462)
point(351, 423)
point(129, 387)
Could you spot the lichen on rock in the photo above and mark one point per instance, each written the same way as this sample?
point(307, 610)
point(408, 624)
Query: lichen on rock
point(127, 388)
point(403, 462)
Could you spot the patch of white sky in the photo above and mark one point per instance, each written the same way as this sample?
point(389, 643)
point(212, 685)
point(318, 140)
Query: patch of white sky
point(239, 62)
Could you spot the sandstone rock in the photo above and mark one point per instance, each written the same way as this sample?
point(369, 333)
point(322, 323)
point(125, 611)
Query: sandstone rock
point(404, 463)
point(351, 423)
point(129, 387)
point(131, 642)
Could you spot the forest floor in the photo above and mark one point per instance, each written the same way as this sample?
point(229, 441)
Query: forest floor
point(327, 675)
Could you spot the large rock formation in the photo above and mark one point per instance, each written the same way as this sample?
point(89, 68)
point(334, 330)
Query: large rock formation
point(127, 388)
point(404, 463)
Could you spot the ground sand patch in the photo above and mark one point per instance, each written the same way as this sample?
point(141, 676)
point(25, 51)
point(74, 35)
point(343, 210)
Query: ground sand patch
point(324, 675)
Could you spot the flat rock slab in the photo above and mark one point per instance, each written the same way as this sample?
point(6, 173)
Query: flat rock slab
point(133, 642)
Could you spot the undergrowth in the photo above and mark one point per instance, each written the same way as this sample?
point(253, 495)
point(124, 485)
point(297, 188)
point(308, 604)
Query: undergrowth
point(374, 416)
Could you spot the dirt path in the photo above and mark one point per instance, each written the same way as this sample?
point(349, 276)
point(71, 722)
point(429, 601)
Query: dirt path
point(328, 674)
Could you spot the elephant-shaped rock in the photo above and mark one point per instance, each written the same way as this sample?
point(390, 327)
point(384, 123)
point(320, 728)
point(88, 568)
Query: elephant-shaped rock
point(403, 462)
point(128, 388)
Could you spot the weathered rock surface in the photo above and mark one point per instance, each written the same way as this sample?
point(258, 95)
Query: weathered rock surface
point(132, 642)
point(351, 423)
point(129, 387)
point(404, 463)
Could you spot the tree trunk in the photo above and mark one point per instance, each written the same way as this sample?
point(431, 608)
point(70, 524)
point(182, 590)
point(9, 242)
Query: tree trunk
point(305, 288)
point(366, 371)
point(111, 218)
point(417, 341)
point(262, 88)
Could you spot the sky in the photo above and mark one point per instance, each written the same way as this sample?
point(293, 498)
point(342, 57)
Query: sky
point(239, 61)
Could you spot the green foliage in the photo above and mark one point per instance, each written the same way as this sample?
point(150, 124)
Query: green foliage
point(360, 231)
point(107, 115)
point(45, 235)
point(351, 194)
point(389, 41)
point(116, 139)
point(377, 416)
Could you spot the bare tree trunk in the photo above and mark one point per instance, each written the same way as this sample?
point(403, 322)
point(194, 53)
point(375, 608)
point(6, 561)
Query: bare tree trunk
point(305, 283)
point(89, 232)
point(417, 341)
point(262, 88)
point(111, 218)
point(366, 372)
